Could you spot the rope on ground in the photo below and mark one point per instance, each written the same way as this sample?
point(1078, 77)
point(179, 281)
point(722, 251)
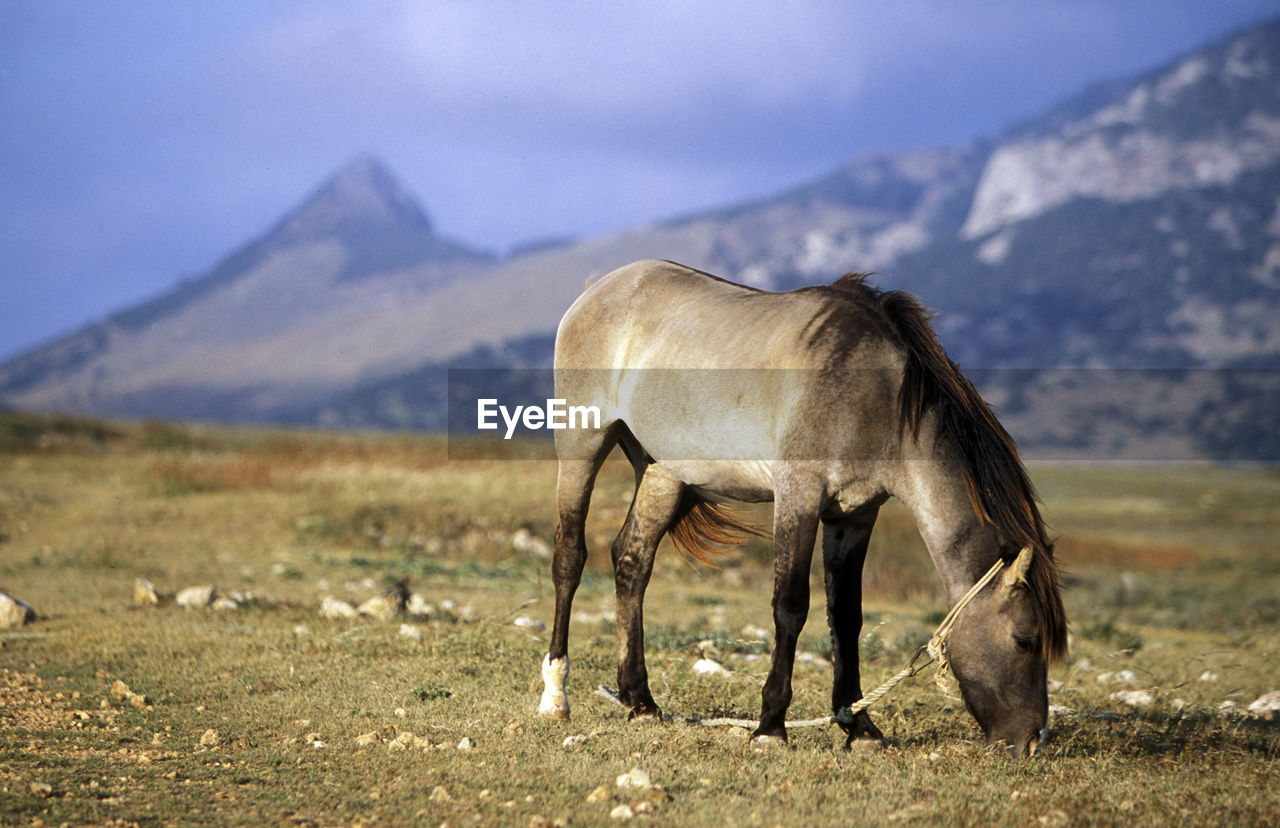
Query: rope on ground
point(935, 647)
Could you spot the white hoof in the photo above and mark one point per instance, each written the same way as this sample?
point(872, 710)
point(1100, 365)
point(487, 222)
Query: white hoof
point(555, 698)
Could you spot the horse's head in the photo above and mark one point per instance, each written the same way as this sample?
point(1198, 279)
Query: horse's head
point(1001, 662)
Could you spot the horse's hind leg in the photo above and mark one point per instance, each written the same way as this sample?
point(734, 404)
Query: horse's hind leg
point(844, 550)
point(581, 455)
point(652, 511)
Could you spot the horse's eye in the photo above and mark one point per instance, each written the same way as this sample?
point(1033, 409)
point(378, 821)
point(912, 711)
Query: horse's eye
point(1025, 644)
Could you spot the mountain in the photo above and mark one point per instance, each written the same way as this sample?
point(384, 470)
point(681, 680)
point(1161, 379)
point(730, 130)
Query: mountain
point(1110, 271)
point(283, 319)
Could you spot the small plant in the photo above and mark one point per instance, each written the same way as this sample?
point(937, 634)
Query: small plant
point(426, 694)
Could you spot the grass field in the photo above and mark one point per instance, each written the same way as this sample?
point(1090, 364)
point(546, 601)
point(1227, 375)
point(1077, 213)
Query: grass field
point(1173, 575)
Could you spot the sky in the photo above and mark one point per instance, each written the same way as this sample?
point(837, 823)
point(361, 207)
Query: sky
point(142, 141)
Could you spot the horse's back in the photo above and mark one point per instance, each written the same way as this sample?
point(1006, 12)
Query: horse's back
point(659, 314)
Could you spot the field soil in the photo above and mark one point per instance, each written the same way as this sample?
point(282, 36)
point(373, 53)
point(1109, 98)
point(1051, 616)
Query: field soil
point(259, 710)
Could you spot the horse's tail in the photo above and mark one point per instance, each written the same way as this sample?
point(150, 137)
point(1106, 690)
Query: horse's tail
point(703, 527)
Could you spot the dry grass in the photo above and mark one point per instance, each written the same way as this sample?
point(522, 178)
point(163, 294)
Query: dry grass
point(1172, 572)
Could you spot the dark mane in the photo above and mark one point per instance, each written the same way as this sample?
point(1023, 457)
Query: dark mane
point(997, 483)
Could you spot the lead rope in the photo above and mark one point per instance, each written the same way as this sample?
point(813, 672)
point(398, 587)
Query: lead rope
point(936, 647)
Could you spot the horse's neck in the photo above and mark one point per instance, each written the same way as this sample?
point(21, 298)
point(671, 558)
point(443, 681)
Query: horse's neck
point(962, 545)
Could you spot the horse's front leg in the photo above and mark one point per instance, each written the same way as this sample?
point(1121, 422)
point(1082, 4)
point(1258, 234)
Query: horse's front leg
point(844, 550)
point(795, 527)
point(652, 511)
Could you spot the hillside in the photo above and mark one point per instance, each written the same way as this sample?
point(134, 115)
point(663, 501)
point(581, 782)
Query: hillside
point(1128, 239)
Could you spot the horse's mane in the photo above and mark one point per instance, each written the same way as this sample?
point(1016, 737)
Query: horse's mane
point(999, 488)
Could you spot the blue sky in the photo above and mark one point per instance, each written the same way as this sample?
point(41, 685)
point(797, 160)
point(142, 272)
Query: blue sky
point(141, 141)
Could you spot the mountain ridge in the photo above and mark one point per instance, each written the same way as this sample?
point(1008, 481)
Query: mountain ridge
point(1132, 225)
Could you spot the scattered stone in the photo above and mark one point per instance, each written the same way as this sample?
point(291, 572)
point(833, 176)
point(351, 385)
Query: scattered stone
point(755, 632)
point(196, 597)
point(623, 811)
point(223, 604)
point(1208, 676)
point(525, 622)
point(812, 658)
point(14, 613)
point(411, 632)
point(381, 608)
point(1060, 710)
point(571, 741)
point(417, 605)
point(336, 608)
point(634, 778)
point(600, 794)
point(41, 789)
point(401, 712)
point(1266, 706)
point(1133, 698)
point(144, 594)
point(1228, 706)
point(439, 794)
point(467, 743)
point(368, 739)
point(210, 738)
point(528, 543)
point(120, 690)
point(707, 667)
point(657, 793)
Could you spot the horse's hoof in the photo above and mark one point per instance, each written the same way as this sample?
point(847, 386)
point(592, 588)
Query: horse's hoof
point(767, 741)
point(560, 714)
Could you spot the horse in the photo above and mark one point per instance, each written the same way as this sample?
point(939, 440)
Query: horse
point(826, 401)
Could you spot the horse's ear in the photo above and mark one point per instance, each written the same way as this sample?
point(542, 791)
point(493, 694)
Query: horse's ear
point(1016, 573)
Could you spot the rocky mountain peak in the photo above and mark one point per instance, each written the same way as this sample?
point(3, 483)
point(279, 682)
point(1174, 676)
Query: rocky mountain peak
point(1203, 120)
point(361, 196)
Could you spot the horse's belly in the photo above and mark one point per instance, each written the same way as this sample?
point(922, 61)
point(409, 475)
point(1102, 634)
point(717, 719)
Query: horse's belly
point(750, 481)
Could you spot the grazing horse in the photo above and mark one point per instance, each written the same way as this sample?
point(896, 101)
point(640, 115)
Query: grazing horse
point(826, 401)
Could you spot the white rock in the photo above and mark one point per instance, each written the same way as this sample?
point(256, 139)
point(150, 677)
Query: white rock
point(1133, 698)
point(528, 543)
point(196, 597)
point(1266, 706)
point(571, 741)
point(301, 630)
point(332, 607)
point(225, 604)
point(14, 613)
point(707, 667)
point(1228, 706)
point(525, 622)
point(1208, 676)
point(634, 778)
point(381, 607)
point(753, 631)
point(810, 658)
point(467, 743)
point(1127, 676)
point(417, 605)
point(144, 593)
point(1059, 710)
point(411, 632)
point(623, 811)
